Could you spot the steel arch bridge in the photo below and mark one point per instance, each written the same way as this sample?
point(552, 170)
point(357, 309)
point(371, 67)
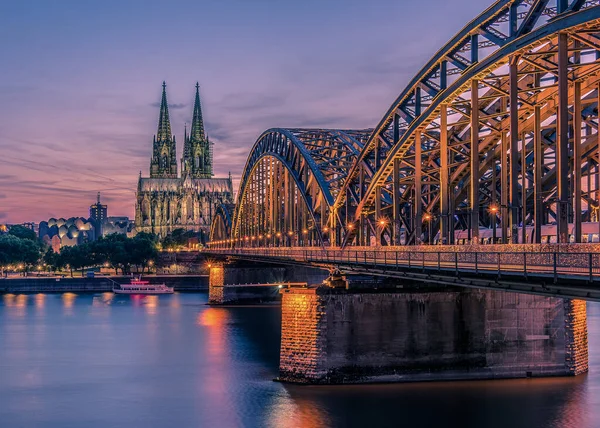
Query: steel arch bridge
point(497, 130)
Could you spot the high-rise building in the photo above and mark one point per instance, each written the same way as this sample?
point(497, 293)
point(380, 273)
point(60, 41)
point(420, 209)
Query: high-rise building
point(98, 215)
point(166, 201)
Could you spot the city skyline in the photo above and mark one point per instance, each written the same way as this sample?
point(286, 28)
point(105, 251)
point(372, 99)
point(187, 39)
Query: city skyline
point(81, 85)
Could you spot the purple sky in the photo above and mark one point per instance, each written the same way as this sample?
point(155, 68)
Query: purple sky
point(80, 83)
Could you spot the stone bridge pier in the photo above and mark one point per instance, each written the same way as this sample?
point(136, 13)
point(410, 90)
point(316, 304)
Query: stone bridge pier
point(332, 336)
point(247, 282)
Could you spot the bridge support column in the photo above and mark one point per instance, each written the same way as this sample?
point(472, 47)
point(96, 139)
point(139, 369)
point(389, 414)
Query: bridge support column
point(354, 336)
point(244, 284)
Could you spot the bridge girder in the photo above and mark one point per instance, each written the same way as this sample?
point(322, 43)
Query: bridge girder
point(529, 52)
point(520, 80)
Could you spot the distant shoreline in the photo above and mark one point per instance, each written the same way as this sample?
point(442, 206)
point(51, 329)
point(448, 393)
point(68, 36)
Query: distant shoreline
point(97, 284)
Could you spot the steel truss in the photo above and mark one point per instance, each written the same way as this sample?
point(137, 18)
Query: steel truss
point(288, 186)
point(498, 129)
point(526, 94)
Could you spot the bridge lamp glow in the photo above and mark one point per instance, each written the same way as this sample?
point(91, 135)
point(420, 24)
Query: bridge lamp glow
point(260, 237)
point(150, 262)
point(350, 226)
point(268, 236)
point(325, 229)
point(382, 222)
point(279, 234)
point(493, 208)
point(290, 233)
point(427, 217)
point(305, 231)
point(253, 238)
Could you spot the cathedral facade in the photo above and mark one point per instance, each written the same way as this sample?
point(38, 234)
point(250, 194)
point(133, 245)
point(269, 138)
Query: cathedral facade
point(166, 201)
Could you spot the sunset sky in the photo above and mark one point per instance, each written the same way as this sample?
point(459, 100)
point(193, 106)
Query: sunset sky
point(80, 83)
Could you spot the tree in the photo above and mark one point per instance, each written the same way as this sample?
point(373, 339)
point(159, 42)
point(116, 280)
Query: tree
point(141, 250)
point(51, 259)
point(177, 238)
point(22, 232)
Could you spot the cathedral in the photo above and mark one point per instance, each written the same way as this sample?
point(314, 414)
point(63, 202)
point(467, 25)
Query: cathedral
point(166, 201)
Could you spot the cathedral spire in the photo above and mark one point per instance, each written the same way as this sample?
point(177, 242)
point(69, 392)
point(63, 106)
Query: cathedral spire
point(164, 124)
point(197, 131)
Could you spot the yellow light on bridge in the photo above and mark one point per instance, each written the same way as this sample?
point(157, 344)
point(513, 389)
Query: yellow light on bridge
point(290, 233)
point(325, 229)
point(427, 217)
point(493, 208)
point(305, 231)
point(278, 234)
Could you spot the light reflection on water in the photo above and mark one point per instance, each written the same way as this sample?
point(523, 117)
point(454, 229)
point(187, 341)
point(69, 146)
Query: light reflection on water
point(96, 360)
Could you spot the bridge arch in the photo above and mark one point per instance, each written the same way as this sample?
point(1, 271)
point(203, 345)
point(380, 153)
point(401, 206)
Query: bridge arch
point(518, 79)
point(289, 184)
point(220, 228)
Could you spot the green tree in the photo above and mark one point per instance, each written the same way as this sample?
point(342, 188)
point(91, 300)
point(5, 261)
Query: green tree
point(22, 232)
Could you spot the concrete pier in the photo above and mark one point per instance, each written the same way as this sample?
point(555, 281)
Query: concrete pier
point(231, 284)
point(334, 336)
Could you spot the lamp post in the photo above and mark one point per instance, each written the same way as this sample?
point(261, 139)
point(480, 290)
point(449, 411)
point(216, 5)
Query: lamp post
point(493, 209)
point(427, 218)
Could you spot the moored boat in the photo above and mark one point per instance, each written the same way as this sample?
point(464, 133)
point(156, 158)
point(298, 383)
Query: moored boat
point(137, 286)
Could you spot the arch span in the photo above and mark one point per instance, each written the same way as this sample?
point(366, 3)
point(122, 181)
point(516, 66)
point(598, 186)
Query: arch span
point(289, 185)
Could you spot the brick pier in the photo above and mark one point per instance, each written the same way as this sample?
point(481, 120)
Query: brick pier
point(354, 336)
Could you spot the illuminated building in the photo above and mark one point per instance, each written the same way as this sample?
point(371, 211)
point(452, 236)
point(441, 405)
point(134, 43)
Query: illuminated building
point(98, 214)
point(166, 201)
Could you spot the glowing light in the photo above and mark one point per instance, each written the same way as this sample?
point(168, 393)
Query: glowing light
point(325, 229)
point(268, 235)
point(493, 208)
point(290, 233)
point(278, 234)
point(350, 226)
point(427, 217)
point(382, 222)
point(305, 231)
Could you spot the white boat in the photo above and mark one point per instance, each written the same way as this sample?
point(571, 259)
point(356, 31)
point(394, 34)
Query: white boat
point(137, 286)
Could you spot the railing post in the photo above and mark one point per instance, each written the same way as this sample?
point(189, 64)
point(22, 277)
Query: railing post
point(385, 257)
point(476, 267)
point(375, 258)
point(396, 259)
point(455, 263)
point(498, 254)
point(525, 264)
point(423, 261)
point(555, 273)
point(590, 258)
point(409, 259)
point(439, 261)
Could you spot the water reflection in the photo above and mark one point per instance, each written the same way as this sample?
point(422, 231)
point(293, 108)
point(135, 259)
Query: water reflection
point(172, 361)
point(216, 386)
point(68, 300)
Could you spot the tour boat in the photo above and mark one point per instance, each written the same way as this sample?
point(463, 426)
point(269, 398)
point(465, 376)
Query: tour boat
point(137, 286)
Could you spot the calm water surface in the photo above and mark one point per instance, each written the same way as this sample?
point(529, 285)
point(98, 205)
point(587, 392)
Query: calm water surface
point(86, 360)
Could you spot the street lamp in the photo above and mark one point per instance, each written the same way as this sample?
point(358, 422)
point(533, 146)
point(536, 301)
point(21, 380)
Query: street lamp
point(427, 218)
point(493, 209)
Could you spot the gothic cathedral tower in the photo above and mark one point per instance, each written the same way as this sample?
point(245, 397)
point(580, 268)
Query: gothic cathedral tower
point(197, 149)
point(164, 156)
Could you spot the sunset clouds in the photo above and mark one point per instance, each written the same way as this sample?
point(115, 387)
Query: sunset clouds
point(80, 83)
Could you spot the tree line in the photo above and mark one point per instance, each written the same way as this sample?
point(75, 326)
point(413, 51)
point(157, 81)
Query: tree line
point(21, 250)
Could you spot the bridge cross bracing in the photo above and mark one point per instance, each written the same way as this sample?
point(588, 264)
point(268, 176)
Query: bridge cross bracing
point(495, 140)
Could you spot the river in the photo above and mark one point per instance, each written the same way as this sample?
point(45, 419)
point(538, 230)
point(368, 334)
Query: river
point(99, 360)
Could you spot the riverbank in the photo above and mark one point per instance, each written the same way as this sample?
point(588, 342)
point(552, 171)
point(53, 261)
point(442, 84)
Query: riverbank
point(98, 284)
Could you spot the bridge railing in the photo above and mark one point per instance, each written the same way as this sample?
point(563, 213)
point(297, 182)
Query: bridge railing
point(550, 264)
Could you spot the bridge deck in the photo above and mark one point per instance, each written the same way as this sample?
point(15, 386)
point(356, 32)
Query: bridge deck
point(569, 274)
